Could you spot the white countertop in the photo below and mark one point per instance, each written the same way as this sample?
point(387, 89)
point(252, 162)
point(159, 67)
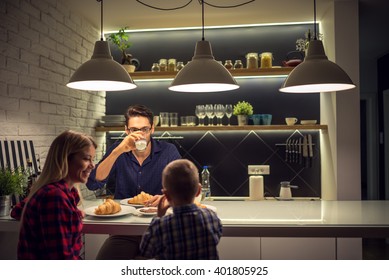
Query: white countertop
point(302, 218)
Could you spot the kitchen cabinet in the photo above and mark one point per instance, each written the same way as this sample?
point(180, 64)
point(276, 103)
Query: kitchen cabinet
point(277, 248)
point(264, 248)
point(240, 248)
point(298, 248)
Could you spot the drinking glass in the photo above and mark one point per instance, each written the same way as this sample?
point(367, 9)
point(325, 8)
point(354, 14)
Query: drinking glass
point(173, 119)
point(229, 110)
point(219, 112)
point(200, 113)
point(164, 118)
point(210, 113)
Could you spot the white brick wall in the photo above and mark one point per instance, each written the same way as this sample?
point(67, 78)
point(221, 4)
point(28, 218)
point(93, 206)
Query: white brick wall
point(41, 44)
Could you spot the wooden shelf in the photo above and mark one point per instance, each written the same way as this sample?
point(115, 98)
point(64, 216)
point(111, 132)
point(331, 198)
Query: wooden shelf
point(235, 72)
point(222, 128)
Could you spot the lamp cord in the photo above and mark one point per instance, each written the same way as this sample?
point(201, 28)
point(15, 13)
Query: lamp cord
point(190, 1)
point(101, 20)
point(202, 19)
point(232, 6)
point(164, 9)
point(314, 20)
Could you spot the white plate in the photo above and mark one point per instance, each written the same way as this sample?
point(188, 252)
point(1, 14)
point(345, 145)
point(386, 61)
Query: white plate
point(125, 211)
point(125, 202)
point(308, 121)
point(210, 207)
point(139, 211)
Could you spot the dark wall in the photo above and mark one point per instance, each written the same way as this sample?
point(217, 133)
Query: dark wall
point(227, 43)
point(383, 84)
point(262, 93)
point(229, 153)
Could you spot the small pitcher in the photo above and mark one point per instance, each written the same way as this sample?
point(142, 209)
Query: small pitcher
point(285, 190)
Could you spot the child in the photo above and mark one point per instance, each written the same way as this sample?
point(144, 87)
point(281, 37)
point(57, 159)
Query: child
point(190, 233)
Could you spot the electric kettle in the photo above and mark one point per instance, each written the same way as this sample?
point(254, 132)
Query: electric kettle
point(285, 190)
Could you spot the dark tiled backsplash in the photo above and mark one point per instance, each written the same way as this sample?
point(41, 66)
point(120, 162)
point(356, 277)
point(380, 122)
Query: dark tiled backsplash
point(228, 154)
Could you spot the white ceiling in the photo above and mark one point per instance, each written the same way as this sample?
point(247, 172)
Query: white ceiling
point(121, 13)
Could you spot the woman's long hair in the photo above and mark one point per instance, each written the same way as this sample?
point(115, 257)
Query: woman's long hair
point(56, 165)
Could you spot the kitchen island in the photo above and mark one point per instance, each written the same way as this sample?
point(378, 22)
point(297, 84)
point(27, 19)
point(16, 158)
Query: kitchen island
point(270, 218)
point(257, 225)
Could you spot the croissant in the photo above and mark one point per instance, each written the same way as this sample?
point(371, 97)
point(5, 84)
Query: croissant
point(108, 207)
point(140, 198)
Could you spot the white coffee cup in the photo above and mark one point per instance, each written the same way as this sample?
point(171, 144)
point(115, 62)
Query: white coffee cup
point(141, 144)
point(291, 121)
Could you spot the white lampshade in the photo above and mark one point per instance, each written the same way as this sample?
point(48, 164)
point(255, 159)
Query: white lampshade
point(316, 74)
point(101, 72)
point(203, 73)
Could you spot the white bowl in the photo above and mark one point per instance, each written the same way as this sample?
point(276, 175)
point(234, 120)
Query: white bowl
point(308, 121)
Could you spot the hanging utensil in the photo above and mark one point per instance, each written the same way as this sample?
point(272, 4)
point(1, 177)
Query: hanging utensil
point(286, 150)
point(310, 150)
point(290, 150)
point(305, 150)
point(300, 153)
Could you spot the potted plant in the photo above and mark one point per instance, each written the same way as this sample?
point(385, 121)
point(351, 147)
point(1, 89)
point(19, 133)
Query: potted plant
point(242, 109)
point(12, 182)
point(120, 39)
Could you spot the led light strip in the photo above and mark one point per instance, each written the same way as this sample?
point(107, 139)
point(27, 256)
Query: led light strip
point(212, 27)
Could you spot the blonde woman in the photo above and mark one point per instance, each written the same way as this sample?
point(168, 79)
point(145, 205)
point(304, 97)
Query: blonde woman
point(51, 223)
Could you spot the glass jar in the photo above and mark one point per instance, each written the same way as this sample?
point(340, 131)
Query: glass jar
point(163, 64)
point(266, 60)
point(238, 64)
point(171, 65)
point(252, 60)
point(180, 65)
point(155, 67)
point(228, 64)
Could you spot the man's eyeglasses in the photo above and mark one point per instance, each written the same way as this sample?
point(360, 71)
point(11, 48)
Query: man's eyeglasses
point(145, 129)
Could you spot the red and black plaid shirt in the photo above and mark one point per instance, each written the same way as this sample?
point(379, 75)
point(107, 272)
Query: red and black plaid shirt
point(52, 224)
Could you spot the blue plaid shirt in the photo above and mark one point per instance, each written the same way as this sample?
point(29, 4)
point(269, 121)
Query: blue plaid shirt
point(129, 178)
point(190, 233)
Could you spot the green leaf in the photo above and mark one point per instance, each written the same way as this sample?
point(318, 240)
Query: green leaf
point(13, 181)
point(243, 108)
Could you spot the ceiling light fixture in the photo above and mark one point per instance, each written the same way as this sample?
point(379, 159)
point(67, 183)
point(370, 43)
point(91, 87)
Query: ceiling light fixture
point(316, 73)
point(203, 73)
point(101, 72)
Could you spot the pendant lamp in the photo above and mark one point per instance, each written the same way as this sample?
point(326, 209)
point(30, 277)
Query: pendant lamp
point(101, 72)
point(316, 73)
point(203, 73)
